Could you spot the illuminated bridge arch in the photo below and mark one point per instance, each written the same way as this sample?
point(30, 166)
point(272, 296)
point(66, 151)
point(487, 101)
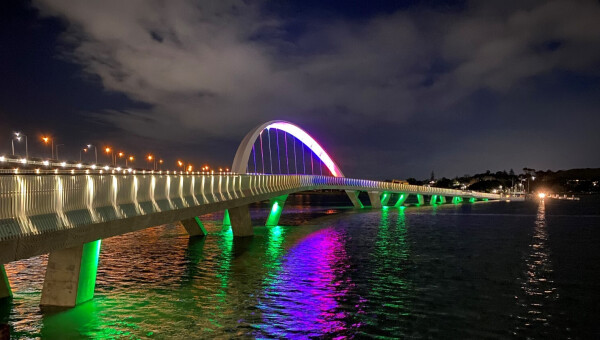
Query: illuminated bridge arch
point(253, 143)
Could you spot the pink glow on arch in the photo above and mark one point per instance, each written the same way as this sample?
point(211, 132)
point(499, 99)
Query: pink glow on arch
point(312, 144)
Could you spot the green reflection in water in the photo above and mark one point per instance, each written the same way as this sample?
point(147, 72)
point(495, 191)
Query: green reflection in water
point(390, 263)
point(224, 271)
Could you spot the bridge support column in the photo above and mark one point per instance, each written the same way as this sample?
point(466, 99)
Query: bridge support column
point(226, 219)
point(241, 224)
point(277, 204)
point(457, 199)
point(71, 275)
point(442, 199)
point(5, 291)
point(194, 227)
point(401, 199)
point(375, 198)
point(353, 195)
point(433, 199)
point(472, 200)
point(385, 198)
point(420, 199)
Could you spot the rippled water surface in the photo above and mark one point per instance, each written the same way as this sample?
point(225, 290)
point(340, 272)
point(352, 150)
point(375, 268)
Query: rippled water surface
point(484, 270)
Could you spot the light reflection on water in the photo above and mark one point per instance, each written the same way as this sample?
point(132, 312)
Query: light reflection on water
point(538, 290)
point(458, 271)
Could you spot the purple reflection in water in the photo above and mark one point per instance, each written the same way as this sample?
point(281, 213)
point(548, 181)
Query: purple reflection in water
point(308, 295)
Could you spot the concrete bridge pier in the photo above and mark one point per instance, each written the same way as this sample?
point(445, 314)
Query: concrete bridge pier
point(401, 199)
point(442, 199)
point(375, 198)
point(71, 275)
point(433, 199)
point(194, 227)
point(5, 291)
point(277, 204)
point(241, 223)
point(353, 195)
point(420, 199)
point(385, 198)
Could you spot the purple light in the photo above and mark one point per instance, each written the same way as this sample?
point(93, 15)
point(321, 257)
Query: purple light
point(312, 144)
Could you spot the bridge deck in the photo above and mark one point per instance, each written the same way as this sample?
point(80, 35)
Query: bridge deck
point(40, 213)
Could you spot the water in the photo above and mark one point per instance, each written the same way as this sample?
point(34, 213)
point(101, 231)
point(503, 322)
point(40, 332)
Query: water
point(489, 270)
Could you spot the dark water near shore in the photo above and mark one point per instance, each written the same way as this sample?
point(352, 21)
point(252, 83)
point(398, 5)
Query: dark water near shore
point(484, 270)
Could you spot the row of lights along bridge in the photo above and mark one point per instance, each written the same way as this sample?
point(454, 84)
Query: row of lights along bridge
point(154, 162)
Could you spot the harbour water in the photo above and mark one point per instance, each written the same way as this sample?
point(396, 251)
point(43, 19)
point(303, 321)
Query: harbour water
point(483, 270)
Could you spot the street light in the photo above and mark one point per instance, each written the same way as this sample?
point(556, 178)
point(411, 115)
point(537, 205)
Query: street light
point(121, 154)
point(51, 140)
point(130, 159)
point(95, 151)
point(18, 136)
point(84, 150)
point(109, 150)
point(150, 158)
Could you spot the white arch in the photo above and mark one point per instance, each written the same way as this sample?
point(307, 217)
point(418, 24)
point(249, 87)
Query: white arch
point(240, 161)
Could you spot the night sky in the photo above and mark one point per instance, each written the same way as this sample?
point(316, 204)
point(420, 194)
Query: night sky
point(392, 89)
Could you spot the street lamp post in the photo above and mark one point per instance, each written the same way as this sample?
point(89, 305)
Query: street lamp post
point(84, 150)
point(95, 151)
point(51, 140)
point(130, 159)
point(150, 159)
point(109, 151)
point(121, 154)
point(18, 137)
point(56, 153)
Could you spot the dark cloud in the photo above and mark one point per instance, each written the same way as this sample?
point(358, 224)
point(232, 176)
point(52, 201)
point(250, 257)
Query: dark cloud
point(215, 69)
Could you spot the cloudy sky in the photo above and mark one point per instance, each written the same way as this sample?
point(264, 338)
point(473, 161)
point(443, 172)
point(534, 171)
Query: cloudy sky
point(391, 90)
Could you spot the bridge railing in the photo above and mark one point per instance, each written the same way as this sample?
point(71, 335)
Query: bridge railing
point(34, 204)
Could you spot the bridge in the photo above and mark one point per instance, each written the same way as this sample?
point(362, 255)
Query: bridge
point(67, 212)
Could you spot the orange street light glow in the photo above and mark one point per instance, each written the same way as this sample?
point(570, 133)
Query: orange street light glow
point(46, 139)
point(107, 149)
point(121, 154)
point(130, 158)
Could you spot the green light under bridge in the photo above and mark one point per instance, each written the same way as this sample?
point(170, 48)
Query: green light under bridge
point(277, 204)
